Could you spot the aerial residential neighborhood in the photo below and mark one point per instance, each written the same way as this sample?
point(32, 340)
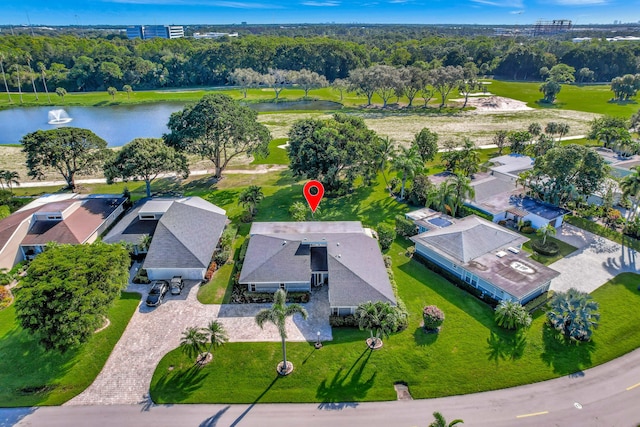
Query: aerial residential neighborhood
point(381, 220)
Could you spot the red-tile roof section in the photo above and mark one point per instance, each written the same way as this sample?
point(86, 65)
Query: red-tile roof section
point(9, 224)
point(77, 228)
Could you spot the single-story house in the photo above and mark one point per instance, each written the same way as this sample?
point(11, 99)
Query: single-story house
point(184, 235)
point(487, 256)
point(298, 255)
point(61, 218)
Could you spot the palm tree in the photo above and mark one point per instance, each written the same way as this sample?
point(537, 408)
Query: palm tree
point(379, 317)
point(440, 421)
point(443, 199)
point(462, 190)
point(574, 313)
point(512, 315)
point(547, 230)
point(112, 91)
point(386, 150)
point(407, 161)
point(43, 68)
point(217, 334)
point(250, 197)
point(563, 129)
point(31, 76)
point(144, 242)
point(9, 178)
point(551, 128)
point(19, 83)
point(128, 89)
point(277, 315)
point(192, 342)
point(630, 186)
point(4, 77)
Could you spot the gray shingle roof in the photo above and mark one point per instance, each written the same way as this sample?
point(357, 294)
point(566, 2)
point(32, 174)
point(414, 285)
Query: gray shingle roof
point(278, 252)
point(186, 235)
point(469, 238)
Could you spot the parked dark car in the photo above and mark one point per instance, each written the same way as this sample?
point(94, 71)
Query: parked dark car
point(177, 284)
point(157, 292)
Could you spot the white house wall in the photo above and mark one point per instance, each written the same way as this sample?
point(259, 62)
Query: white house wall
point(168, 273)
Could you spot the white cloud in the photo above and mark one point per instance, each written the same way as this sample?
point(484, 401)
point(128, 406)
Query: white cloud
point(327, 3)
point(229, 4)
point(501, 3)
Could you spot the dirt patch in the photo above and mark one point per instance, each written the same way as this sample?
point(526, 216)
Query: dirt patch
point(495, 104)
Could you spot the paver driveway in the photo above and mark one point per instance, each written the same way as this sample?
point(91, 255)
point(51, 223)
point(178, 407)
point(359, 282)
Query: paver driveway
point(152, 332)
point(596, 261)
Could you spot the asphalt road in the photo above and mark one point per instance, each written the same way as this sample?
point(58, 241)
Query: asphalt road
point(604, 396)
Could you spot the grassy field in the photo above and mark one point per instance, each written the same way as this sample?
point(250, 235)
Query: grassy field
point(30, 375)
point(587, 98)
point(470, 354)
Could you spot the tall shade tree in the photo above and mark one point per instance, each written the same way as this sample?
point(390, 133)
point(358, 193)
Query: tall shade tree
point(413, 80)
point(334, 151)
point(112, 91)
point(440, 421)
point(250, 197)
point(68, 150)
point(277, 80)
point(68, 290)
point(308, 80)
point(145, 158)
point(244, 78)
point(445, 79)
point(362, 80)
point(192, 342)
point(426, 142)
point(377, 317)
point(277, 315)
point(407, 163)
point(219, 129)
point(574, 314)
point(128, 89)
point(341, 85)
point(500, 140)
point(386, 80)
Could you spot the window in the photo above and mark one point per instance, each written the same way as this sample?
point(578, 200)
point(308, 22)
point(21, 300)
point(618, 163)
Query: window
point(334, 311)
point(282, 286)
point(252, 287)
point(54, 217)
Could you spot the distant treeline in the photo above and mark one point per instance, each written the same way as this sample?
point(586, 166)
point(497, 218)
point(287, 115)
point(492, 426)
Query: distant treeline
point(95, 63)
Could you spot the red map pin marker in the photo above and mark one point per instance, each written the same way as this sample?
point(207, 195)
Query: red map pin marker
point(313, 192)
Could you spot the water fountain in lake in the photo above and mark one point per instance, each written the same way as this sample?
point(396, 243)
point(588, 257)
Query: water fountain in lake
point(58, 117)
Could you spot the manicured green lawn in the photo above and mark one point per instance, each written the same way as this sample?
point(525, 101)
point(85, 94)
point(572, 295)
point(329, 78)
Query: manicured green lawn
point(565, 249)
point(470, 354)
point(29, 375)
point(277, 156)
point(592, 99)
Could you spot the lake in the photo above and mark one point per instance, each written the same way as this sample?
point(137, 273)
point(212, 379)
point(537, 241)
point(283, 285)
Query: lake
point(120, 124)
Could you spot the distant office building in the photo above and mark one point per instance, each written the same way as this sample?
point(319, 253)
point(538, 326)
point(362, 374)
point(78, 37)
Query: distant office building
point(146, 32)
point(213, 35)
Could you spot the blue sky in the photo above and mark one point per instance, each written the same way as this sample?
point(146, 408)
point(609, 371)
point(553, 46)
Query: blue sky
point(124, 12)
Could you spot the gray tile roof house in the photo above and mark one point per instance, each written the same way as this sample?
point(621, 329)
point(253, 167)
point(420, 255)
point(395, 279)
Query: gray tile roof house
point(297, 255)
point(185, 233)
point(487, 256)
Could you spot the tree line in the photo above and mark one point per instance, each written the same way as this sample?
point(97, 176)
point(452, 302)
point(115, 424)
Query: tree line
point(86, 64)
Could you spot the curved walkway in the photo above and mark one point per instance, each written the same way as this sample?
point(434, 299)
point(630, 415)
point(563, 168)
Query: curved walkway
point(153, 332)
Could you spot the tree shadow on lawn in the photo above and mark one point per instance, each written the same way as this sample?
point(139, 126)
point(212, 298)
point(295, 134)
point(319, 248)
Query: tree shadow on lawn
point(564, 356)
point(222, 197)
point(43, 368)
point(503, 345)
point(424, 338)
point(266, 390)
point(346, 386)
point(178, 385)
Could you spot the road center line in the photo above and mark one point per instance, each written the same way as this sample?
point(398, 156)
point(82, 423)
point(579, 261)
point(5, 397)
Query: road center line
point(533, 414)
point(633, 386)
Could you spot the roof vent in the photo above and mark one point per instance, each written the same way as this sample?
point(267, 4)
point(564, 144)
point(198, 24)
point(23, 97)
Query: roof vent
point(338, 244)
point(514, 250)
point(339, 256)
point(500, 254)
point(284, 242)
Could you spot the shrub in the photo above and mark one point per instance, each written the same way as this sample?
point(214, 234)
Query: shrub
point(386, 235)
point(512, 315)
point(141, 277)
point(5, 297)
point(547, 249)
point(387, 261)
point(527, 229)
point(226, 240)
point(433, 317)
point(405, 227)
point(348, 321)
point(221, 257)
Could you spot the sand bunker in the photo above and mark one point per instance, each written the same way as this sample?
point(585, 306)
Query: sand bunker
point(496, 103)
